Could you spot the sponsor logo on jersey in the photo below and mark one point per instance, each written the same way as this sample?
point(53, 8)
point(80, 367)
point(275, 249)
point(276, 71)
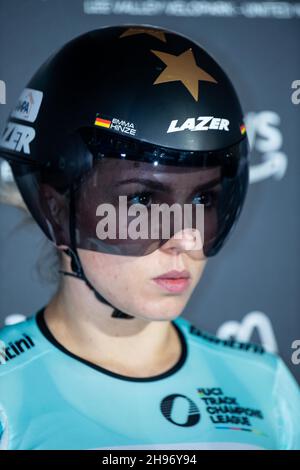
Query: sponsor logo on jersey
point(17, 137)
point(201, 123)
point(230, 343)
point(226, 413)
point(223, 411)
point(28, 105)
point(13, 349)
point(180, 410)
point(119, 125)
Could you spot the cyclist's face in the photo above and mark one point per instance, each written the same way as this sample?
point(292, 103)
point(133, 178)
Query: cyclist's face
point(128, 282)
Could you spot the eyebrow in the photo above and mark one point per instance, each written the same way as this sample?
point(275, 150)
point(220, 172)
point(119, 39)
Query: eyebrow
point(162, 187)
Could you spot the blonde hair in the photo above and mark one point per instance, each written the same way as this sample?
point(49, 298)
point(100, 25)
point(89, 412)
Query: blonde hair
point(49, 259)
point(10, 194)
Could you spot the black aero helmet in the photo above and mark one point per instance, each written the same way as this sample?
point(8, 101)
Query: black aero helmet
point(135, 111)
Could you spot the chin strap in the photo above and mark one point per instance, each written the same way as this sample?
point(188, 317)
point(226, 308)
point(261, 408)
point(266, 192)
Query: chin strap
point(76, 266)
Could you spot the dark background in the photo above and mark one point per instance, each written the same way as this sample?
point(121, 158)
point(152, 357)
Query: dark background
point(251, 289)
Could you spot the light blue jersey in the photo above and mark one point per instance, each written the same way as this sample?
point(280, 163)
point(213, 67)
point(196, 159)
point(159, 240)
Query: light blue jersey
point(219, 395)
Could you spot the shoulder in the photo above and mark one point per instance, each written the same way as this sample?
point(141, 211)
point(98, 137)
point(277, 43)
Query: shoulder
point(20, 344)
point(228, 349)
point(264, 374)
point(17, 348)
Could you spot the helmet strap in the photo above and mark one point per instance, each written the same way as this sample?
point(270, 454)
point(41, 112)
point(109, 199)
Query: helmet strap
point(76, 266)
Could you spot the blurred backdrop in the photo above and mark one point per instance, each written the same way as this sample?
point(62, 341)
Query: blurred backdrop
point(251, 290)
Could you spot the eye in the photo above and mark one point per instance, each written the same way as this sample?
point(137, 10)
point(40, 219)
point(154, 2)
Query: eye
point(143, 198)
point(206, 199)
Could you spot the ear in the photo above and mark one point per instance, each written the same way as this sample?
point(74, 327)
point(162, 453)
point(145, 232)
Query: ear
point(56, 210)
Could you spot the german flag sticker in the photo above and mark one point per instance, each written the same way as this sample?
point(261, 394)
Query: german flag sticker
point(102, 122)
point(243, 129)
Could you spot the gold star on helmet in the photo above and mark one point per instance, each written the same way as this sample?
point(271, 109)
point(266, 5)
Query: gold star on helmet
point(152, 32)
point(182, 68)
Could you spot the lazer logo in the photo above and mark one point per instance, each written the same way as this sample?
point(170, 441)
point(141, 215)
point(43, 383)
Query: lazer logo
point(205, 123)
point(17, 137)
point(13, 349)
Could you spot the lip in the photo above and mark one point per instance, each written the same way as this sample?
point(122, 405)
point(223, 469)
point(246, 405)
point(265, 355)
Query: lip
point(174, 275)
point(174, 281)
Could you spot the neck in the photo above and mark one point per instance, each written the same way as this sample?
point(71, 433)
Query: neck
point(134, 347)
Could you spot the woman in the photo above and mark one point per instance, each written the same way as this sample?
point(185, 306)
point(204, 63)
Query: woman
point(119, 122)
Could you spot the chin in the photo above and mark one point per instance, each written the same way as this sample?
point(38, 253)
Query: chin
point(156, 308)
point(166, 314)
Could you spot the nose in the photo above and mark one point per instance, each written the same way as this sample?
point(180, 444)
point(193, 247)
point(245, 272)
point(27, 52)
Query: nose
point(188, 239)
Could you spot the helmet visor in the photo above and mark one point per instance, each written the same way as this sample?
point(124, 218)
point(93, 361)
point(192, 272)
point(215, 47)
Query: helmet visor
point(127, 197)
